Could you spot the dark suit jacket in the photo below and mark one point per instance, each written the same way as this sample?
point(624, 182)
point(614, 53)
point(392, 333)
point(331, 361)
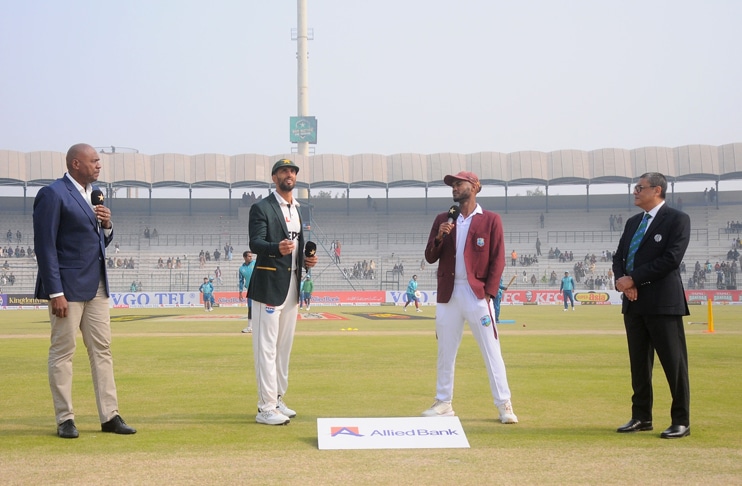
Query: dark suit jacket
point(70, 247)
point(656, 263)
point(484, 255)
point(270, 279)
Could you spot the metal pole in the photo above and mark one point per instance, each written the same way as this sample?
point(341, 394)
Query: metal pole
point(302, 58)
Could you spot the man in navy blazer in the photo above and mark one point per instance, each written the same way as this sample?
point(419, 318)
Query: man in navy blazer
point(277, 239)
point(71, 233)
point(470, 251)
point(646, 268)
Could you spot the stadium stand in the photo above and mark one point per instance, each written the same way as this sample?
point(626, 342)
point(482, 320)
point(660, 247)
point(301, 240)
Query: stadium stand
point(392, 231)
point(388, 239)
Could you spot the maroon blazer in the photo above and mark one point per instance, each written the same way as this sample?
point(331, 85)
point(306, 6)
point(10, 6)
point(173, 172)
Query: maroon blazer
point(484, 255)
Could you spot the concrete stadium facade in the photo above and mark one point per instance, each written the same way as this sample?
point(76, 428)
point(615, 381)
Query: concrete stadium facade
point(561, 167)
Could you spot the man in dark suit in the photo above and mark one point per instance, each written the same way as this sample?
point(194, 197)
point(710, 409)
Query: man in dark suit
point(277, 239)
point(646, 267)
point(70, 236)
point(470, 251)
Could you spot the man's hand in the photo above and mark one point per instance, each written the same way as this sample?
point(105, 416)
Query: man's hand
point(59, 306)
point(444, 229)
point(104, 216)
point(626, 285)
point(285, 247)
point(311, 261)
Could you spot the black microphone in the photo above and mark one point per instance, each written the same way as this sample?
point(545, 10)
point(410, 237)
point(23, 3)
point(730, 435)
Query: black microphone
point(96, 197)
point(310, 249)
point(453, 215)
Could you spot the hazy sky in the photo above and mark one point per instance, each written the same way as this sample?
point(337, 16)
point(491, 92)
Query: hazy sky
point(385, 76)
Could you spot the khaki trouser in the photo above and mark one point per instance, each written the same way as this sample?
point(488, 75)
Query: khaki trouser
point(93, 320)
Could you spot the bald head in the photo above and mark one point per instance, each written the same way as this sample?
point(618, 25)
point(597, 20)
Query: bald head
point(77, 150)
point(83, 163)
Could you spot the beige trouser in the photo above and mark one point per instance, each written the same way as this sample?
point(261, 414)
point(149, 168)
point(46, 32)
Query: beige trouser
point(93, 319)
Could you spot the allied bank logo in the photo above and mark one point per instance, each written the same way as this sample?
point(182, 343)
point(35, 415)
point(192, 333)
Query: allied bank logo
point(269, 309)
point(353, 431)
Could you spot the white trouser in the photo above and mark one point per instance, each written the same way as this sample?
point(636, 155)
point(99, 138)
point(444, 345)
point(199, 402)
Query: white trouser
point(449, 327)
point(273, 336)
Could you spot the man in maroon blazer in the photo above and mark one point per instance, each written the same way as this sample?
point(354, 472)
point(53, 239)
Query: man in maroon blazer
point(470, 252)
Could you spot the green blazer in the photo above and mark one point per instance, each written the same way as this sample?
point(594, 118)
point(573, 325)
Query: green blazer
point(272, 275)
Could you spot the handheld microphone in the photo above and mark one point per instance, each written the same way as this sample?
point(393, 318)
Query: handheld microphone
point(96, 197)
point(453, 215)
point(310, 249)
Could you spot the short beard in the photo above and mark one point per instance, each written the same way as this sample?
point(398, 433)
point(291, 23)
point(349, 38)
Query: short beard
point(285, 187)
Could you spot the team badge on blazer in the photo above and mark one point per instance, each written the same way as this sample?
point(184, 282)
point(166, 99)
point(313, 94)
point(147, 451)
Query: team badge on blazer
point(480, 241)
point(657, 238)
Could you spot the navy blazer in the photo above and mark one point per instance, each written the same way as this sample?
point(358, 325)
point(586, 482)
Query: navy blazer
point(271, 277)
point(656, 272)
point(70, 246)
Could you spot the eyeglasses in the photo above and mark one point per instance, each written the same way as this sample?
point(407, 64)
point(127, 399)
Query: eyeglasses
point(638, 188)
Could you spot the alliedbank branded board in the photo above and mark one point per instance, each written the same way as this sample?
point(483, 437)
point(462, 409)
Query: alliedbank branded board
point(391, 433)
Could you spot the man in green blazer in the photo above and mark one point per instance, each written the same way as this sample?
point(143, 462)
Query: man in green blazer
point(276, 237)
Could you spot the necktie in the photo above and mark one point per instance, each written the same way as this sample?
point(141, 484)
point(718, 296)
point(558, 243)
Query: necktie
point(635, 240)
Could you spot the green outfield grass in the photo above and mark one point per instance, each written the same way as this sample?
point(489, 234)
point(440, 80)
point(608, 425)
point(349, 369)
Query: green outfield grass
point(186, 382)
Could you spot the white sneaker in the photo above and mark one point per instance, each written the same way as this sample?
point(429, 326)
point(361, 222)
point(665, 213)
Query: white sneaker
point(506, 413)
point(248, 329)
point(405, 308)
point(419, 310)
point(439, 409)
point(281, 407)
point(565, 309)
point(573, 307)
point(272, 417)
point(307, 308)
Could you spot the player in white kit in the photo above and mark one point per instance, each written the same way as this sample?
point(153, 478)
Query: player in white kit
point(276, 238)
point(470, 252)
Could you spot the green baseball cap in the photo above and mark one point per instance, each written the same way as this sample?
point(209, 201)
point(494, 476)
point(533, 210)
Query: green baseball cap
point(284, 163)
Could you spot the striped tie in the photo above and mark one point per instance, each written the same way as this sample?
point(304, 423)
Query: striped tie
point(635, 240)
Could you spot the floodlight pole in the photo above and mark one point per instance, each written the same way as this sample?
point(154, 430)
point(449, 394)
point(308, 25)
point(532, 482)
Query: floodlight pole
point(302, 58)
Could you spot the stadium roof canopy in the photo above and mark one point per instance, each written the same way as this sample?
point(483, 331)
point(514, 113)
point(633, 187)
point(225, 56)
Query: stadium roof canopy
point(562, 167)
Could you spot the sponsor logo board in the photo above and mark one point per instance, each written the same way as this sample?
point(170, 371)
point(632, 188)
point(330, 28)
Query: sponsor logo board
point(391, 433)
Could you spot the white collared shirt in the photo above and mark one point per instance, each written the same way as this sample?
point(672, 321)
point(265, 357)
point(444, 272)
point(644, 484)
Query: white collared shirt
point(462, 231)
point(293, 223)
point(653, 212)
point(86, 193)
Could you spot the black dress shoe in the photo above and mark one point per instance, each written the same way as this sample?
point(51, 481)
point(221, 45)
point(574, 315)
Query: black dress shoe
point(117, 426)
point(67, 430)
point(635, 425)
point(676, 432)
